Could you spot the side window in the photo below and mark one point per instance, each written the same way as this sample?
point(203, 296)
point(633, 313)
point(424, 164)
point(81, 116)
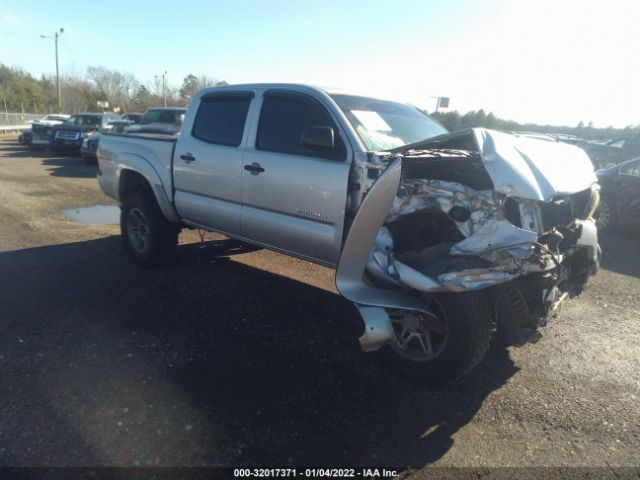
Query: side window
point(283, 120)
point(221, 118)
point(630, 168)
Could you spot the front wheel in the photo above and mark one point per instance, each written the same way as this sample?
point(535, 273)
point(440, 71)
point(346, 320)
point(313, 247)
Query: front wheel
point(444, 344)
point(149, 238)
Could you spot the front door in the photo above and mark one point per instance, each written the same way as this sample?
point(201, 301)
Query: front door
point(294, 198)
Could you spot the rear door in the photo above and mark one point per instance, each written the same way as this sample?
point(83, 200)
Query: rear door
point(294, 198)
point(208, 162)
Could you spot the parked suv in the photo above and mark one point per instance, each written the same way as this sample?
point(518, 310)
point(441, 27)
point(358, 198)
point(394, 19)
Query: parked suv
point(68, 136)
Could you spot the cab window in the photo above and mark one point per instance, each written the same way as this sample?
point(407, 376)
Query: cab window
point(221, 119)
point(283, 120)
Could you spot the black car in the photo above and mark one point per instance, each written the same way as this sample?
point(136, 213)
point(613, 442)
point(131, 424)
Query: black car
point(613, 152)
point(620, 195)
point(68, 136)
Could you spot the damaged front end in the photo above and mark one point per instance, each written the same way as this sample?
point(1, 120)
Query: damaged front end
point(473, 210)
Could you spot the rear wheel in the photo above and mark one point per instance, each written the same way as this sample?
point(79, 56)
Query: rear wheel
point(149, 238)
point(445, 343)
point(605, 215)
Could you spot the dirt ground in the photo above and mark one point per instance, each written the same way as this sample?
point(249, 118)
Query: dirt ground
point(238, 356)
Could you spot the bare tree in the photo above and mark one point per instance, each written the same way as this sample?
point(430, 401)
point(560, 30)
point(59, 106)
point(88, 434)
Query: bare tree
point(191, 84)
point(117, 88)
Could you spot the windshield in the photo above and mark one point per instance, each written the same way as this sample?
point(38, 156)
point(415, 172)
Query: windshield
point(384, 125)
point(173, 117)
point(84, 120)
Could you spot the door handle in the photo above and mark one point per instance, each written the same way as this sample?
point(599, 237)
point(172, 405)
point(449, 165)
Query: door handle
point(254, 168)
point(187, 157)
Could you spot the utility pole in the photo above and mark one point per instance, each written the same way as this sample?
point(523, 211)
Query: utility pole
point(55, 37)
point(6, 112)
point(164, 88)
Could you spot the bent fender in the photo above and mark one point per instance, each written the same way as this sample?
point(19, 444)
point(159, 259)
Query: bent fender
point(355, 255)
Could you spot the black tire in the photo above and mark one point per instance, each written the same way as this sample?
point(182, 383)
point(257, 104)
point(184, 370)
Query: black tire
point(606, 216)
point(470, 324)
point(161, 235)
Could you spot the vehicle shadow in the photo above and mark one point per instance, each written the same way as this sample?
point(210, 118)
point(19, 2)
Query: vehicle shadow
point(15, 151)
point(614, 247)
point(206, 361)
point(71, 167)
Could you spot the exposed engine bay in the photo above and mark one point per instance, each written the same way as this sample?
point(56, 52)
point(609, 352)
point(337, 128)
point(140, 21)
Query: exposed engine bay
point(480, 209)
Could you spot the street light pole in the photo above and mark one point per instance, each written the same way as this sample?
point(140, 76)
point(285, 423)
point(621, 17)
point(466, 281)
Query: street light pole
point(164, 89)
point(55, 37)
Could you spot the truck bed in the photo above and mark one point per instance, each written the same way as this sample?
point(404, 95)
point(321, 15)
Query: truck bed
point(154, 150)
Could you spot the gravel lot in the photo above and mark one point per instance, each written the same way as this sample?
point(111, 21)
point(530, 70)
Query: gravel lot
point(236, 356)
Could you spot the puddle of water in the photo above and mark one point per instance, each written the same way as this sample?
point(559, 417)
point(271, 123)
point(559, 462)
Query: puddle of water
point(95, 215)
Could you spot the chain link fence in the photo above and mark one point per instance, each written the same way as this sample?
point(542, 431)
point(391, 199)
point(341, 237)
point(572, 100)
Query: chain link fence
point(10, 122)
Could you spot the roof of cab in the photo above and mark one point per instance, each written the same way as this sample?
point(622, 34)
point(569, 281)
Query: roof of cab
point(300, 87)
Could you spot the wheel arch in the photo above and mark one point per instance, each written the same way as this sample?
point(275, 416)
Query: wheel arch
point(136, 175)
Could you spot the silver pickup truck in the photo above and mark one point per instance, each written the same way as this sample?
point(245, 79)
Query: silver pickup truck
point(439, 239)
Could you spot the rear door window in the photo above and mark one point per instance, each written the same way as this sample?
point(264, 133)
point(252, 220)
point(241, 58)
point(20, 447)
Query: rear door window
point(221, 119)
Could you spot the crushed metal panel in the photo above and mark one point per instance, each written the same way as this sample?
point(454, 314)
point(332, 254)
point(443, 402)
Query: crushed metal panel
point(531, 168)
point(497, 235)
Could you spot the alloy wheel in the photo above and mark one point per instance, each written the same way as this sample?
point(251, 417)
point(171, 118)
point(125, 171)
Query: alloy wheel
point(420, 336)
point(138, 230)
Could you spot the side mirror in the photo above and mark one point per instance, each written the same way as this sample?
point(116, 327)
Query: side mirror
point(320, 139)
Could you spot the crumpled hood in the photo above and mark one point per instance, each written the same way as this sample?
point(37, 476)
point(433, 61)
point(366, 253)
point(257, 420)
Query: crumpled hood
point(532, 168)
point(522, 167)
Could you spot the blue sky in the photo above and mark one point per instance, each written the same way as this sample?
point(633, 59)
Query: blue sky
point(549, 61)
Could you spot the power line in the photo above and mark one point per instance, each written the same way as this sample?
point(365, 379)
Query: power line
point(18, 36)
point(68, 49)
